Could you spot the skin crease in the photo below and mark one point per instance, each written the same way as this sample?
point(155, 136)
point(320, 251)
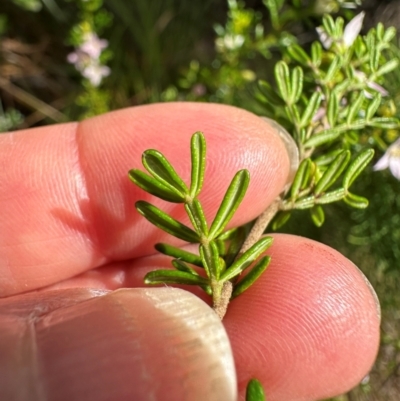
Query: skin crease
point(308, 329)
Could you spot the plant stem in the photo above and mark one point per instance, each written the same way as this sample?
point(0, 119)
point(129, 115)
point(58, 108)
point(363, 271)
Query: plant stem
point(260, 225)
point(221, 298)
point(220, 304)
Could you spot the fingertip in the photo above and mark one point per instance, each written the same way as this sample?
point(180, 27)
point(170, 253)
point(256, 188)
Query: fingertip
point(309, 328)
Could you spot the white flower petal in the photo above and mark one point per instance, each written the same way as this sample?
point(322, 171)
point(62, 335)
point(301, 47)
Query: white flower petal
point(324, 38)
point(73, 57)
point(319, 114)
point(92, 45)
point(378, 88)
point(394, 166)
point(95, 73)
point(383, 162)
point(352, 29)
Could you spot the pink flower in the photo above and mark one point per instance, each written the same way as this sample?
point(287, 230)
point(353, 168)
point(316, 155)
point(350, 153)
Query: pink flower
point(95, 73)
point(92, 45)
point(352, 29)
point(350, 33)
point(86, 58)
point(391, 160)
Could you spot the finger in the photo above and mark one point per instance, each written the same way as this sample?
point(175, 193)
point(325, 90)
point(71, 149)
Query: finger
point(309, 327)
point(66, 201)
point(149, 344)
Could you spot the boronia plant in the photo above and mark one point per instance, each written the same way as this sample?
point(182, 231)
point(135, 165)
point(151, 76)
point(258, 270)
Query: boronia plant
point(222, 255)
point(221, 260)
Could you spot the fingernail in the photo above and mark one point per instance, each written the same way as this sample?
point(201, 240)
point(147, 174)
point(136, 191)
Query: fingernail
point(290, 145)
point(373, 293)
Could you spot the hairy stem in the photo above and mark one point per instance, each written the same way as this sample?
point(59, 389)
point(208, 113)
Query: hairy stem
point(221, 297)
point(260, 225)
point(220, 304)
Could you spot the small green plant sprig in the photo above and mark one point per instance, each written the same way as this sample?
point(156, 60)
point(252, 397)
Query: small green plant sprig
point(330, 100)
point(220, 263)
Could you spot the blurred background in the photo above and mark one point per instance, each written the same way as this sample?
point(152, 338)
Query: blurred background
point(65, 60)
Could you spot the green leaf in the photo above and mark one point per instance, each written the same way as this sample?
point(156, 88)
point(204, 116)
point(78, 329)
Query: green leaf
point(160, 168)
point(270, 93)
point(179, 254)
point(298, 54)
point(252, 276)
point(333, 109)
point(198, 155)
point(333, 172)
point(283, 80)
point(174, 277)
point(305, 203)
point(228, 234)
point(247, 258)
point(389, 34)
point(342, 87)
point(255, 391)
point(155, 187)
point(316, 53)
point(166, 222)
point(380, 31)
point(296, 84)
point(211, 260)
point(356, 201)
point(357, 166)
point(329, 25)
point(230, 203)
point(317, 215)
point(375, 53)
point(311, 109)
point(327, 158)
point(388, 67)
point(321, 138)
point(235, 245)
point(384, 123)
point(334, 68)
point(301, 178)
point(197, 217)
point(332, 196)
point(373, 106)
point(281, 218)
point(355, 107)
point(273, 9)
point(183, 267)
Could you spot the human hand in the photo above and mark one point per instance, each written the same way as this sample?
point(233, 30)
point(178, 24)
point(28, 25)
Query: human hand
point(308, 329)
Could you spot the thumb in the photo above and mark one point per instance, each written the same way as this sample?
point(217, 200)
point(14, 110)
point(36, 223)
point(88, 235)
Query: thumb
point(131, 344)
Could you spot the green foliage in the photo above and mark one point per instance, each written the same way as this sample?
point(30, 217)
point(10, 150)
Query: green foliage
point(29, 5)
point(330, 102)
point(10, 119)
point(215, 254)
point(254, 391)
